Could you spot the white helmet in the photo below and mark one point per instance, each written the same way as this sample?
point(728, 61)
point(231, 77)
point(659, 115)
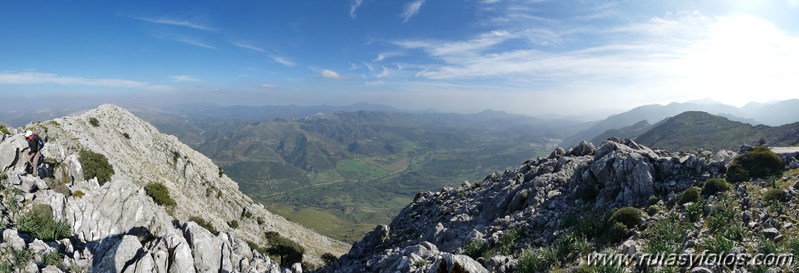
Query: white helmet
point(28, 133)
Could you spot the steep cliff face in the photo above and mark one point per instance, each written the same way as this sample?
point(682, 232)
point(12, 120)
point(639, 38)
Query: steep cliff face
point(119, 215)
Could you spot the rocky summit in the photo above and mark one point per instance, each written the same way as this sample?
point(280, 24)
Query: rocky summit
point(193, 220)
point(552, 212)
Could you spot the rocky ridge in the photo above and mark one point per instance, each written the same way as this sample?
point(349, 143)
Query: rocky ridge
point(117, 227)
point(527, 209)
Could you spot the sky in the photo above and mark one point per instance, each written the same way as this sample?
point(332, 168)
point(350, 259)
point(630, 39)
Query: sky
point(530, 57)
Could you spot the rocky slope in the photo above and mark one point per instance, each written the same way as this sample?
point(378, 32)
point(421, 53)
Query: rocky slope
point(550, 213)
point(117, 227)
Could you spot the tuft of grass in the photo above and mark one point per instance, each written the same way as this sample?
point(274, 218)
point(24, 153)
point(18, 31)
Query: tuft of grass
point(40, 223)
point(94, 122)
point(95, 165)
point(52, 258)
point(160, 194)
point(666, 236)
point(475, 249)
point(718, 244)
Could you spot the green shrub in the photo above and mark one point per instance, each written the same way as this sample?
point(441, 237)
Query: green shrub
point(288, 251)
point(508, 240)
point(126, 135)
point(653, 200)
point(4, 130)
point(628, 216)
point(247, 214)
point(715, 185)
point(205, 224)
point(233, 224)
point(6, 267)
point(689, 195)
point(774, 195)
point(260, 220)
point(221, 172)
point(3, 176)
point(695, 211)
point(94, 122)
point(257, 247)
point(760, 162)
point(768, 246)
point(95, 165)
point(40, 223)
point(475, 249)
point(617, 232)
point(329, 259)
point(160, 194)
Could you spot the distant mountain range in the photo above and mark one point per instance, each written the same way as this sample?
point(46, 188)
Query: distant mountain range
point(772, 114)
point(694, 130)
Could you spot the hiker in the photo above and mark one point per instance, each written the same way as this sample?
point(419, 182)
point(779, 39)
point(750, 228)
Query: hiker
point(35, 144)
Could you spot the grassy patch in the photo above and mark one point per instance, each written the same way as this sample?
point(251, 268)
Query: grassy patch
point(666, 236)
point(40, 223)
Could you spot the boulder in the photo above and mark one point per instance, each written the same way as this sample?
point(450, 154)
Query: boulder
point(205, 248)
point(11, 237)
point(583, 149)
point(119, 254)
point(449, 263)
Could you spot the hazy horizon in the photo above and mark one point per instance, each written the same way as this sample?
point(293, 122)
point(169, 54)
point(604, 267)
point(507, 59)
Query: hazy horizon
point(538, 57)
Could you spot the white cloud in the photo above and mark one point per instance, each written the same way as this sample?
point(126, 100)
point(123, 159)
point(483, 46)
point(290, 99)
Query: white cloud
point(184, 78)
point(248, 46)
point(32, 78)
point(330, 74)
point(411, 9)
point(176, 22)
point(354, 4)
point(283, 60)
point(383, 73)
point(267, 86)
point(732, 59)
point(195, 42)
point(379, 58)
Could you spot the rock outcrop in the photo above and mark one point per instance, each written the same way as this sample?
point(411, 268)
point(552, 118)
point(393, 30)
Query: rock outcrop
point(117, 227)
point(532, 199)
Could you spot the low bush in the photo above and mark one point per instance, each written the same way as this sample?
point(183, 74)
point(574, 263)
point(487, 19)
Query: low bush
point(160, 194)
point(94, 122)
point(475, 249)
point(617, 232)
point(714, 186)
point(530, 262)
point(653, 200)
point(40, 223)
point(774, 195)
point(233, 224)
point(760, 162)
point(126, 135)
point(689, 195)
point(205, 224)
point(652, 210)
point(95, 165)
point(288, 251)
point(4, 130)
point(628, 216)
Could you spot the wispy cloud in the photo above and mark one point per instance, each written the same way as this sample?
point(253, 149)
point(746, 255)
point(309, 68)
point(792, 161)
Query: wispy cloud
point(248, 46)
point(195, 42)
point(267, 86)
point(283, 60)
point(330, 74)
point(184, 78)
point(383, 73)
point(32, 78)
point(411, 9)
point(379, 58)
point(176, 22)
point(354, 5)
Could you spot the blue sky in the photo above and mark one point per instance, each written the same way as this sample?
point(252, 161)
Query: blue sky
point(530, 57)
